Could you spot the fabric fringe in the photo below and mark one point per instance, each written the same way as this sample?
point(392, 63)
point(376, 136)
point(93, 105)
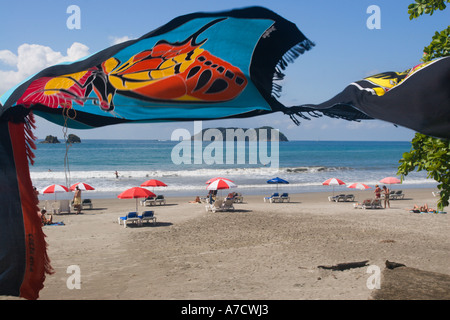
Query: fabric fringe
point(37, 259)
point(344, 112)
point(288, 57)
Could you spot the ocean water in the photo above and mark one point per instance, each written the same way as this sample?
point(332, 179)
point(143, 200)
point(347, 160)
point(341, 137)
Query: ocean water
point(305, 164)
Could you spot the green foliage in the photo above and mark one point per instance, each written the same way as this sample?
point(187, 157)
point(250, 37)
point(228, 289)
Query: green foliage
point(428, 153)
point(432, 155)
point(420, 7)
point(439, 46)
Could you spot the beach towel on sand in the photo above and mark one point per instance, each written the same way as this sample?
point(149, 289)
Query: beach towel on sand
point(196, 67)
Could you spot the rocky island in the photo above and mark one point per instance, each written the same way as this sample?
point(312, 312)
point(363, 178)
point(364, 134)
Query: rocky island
point(72, 138)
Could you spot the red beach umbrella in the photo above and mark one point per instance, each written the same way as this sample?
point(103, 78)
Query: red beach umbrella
point(153, 183)
point(333, 182)
point(55, 188)
point(221, 184)
point(390, 180)
point(217, 178)
point(135, 193)
point(360, 186)
point(82, 186)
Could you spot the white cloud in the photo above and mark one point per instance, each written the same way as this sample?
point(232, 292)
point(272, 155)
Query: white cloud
point(116, 40)
point(8, 57)
point(32, 58)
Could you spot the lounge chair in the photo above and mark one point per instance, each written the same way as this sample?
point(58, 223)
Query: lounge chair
point(238, 198)
point(366, 204)
point(436, 193)
point(55, 207)
point(148, 216)
point(349, 197)
point(160, 199)
point(376, 204)
point(274, 197)
point(339, 197)
point(370, 204)
point(131, 217)
point(228, 205)
point(398, 195)
point(148, 201)
point(87, 203)
point(285, 196)
point(216, 206)
point(64, 206)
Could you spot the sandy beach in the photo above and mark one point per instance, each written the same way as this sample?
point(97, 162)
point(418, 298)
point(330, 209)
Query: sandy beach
point(259, 251)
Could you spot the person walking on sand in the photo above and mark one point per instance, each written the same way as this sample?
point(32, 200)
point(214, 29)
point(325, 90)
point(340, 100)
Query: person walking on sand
point(386, 197)
point(77, 200)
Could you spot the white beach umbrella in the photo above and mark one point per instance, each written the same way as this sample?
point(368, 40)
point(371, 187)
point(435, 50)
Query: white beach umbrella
point(55, 188)
point(219, 184)
point(333, 182)
point(358, 185)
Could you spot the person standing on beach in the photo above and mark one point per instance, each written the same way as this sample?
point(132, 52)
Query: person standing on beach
point(377, 192)
point(386, 197)
point(77, 200)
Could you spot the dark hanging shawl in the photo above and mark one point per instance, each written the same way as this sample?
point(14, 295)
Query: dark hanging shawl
point(418, 98)
point(198, 66)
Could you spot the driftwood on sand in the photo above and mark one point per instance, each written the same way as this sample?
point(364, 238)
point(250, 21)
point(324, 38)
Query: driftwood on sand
point(345, 266)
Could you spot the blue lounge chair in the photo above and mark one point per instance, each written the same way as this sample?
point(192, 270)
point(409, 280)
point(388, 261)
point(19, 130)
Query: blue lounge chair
point(285, 196)
point(274, 197)
point(131, 217)
point(148, 216)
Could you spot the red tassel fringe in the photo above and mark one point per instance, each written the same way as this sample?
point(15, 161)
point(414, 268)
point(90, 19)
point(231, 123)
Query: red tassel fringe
point(37, 260)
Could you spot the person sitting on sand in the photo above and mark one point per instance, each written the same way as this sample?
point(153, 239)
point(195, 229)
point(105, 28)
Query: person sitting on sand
point(44, 219)
point(231, 195)
point(197, 200)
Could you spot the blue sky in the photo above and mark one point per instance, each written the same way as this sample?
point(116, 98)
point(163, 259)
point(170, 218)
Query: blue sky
point(34, 33)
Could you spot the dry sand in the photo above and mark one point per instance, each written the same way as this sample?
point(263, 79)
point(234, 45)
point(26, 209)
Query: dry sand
point(259, 251)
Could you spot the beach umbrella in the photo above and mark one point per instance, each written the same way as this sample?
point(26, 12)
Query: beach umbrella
point(390, 180)
point(136, 193)
point(55, 188)
point(153, 183)
point(217, 178)
point(277, 181)
point(360, 186)
point(333, 182)
point(82, 186)
point(219, 184)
